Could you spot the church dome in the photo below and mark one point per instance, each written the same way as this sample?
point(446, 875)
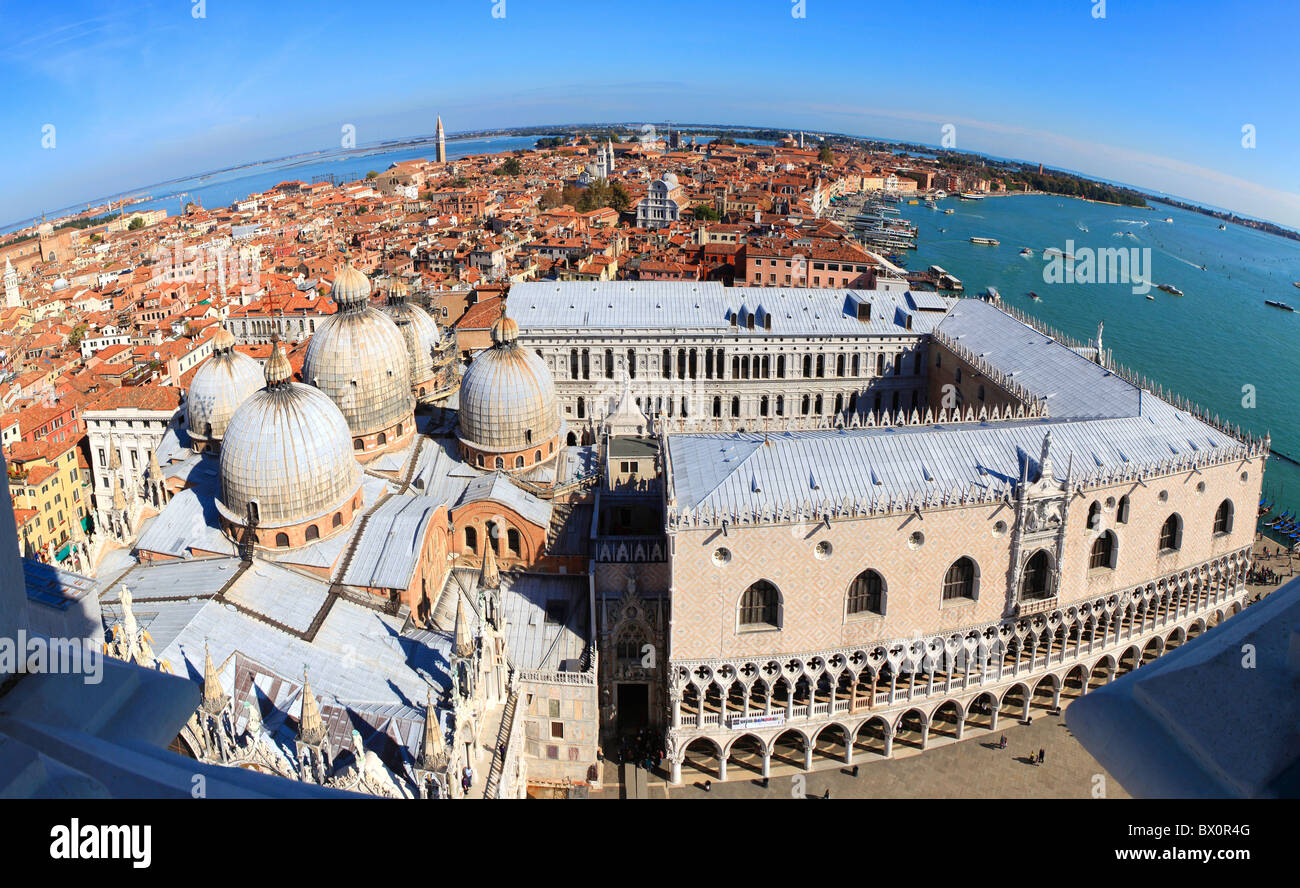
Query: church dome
point(508, 406)
point(422, 339)
point(288, 452)
point(359, 358)
point(220, 385)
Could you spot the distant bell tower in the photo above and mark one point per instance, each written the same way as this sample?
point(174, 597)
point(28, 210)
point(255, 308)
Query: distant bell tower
point(11, 286)
point(442, 142)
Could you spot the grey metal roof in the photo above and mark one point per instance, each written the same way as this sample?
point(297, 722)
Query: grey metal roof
point(532, 642)
point(499, 488)
point(752, 472)
point(1074, 386)
point(392, 542)
point(287, 596)
point(707, 306)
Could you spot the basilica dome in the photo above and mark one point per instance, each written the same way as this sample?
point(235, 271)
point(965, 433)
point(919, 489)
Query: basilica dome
point(287, 463)
point(359, 358)
point(422, 337)
point(220, 385)
point(509, 413)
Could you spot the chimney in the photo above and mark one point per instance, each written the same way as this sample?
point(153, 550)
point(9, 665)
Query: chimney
point(908, 323)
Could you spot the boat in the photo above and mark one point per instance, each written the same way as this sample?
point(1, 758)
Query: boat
point(949, 211)
point(1152, 298)
point(1055, 251)
point(984, 241)
point(1223, 228)
point(1025, 251)
point(1295, 283)
point(1169, 218)
point(1276, 304)
point(1170, 289)
point(1033, 295)
point(971, 195)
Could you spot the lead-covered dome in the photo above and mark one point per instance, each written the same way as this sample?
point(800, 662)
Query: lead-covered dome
point(220, 385)
point(508, 405)
point(422, 338)
point(288, 454)
point(359, 358)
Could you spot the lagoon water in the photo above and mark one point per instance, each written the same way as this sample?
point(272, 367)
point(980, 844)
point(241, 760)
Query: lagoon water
point(1208, 345)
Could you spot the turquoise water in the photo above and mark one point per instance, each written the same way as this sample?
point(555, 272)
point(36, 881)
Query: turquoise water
point(1206, 345)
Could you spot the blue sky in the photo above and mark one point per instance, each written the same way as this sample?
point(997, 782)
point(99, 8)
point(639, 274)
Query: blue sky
point(1155, 93)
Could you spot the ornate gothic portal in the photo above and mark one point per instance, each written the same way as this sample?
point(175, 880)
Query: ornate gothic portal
point(632, 638)
point(1038, 541)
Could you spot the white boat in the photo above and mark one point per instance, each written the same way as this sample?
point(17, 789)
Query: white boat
point(984, 241)
point(949, 211)
point(1152, 298)
point(1169, 218)
point(1025, 251)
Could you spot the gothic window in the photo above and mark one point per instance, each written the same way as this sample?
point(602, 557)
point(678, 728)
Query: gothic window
point(471, 539)
point(760, 606)
point(1171, 534)
point(631, 363)
point(959, 581)
point(609, 363)
point(717, 407)
point(1223, 517)
point(337, 520)
point(512, 542)
point(1103, 552)
point(313, 533)
point(1121, 513)
point(1094, 515)
point(735, 406)
point(867, 594)
point(519, 462)
point(282, 541)
point(1036, 582)
point(666, 364)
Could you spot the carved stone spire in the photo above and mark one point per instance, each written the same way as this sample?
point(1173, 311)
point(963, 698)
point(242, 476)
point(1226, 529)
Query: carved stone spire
point(489, 577)
point(311, 730)
point(464, 643)
point(433, 752)
point(214, 696)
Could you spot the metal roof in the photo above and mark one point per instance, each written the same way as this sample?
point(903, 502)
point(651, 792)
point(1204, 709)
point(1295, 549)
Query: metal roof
point(1074, 386)
point(707, 307)
point(391, 544)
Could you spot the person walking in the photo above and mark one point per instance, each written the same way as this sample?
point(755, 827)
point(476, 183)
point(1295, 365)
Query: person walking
point(1002, 742)
point(826, 794)
point(1042, 755)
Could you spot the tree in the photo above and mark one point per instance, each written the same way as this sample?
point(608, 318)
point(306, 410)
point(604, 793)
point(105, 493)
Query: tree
point(618, 197)
point(705, 213)
point(372, 175)
point(135, 224)
point(550, 199)
point(74, 338)
point(510, 168)
point(826, 155)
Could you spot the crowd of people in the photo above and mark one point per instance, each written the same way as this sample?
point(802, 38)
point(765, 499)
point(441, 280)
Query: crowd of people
point(644, 749)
